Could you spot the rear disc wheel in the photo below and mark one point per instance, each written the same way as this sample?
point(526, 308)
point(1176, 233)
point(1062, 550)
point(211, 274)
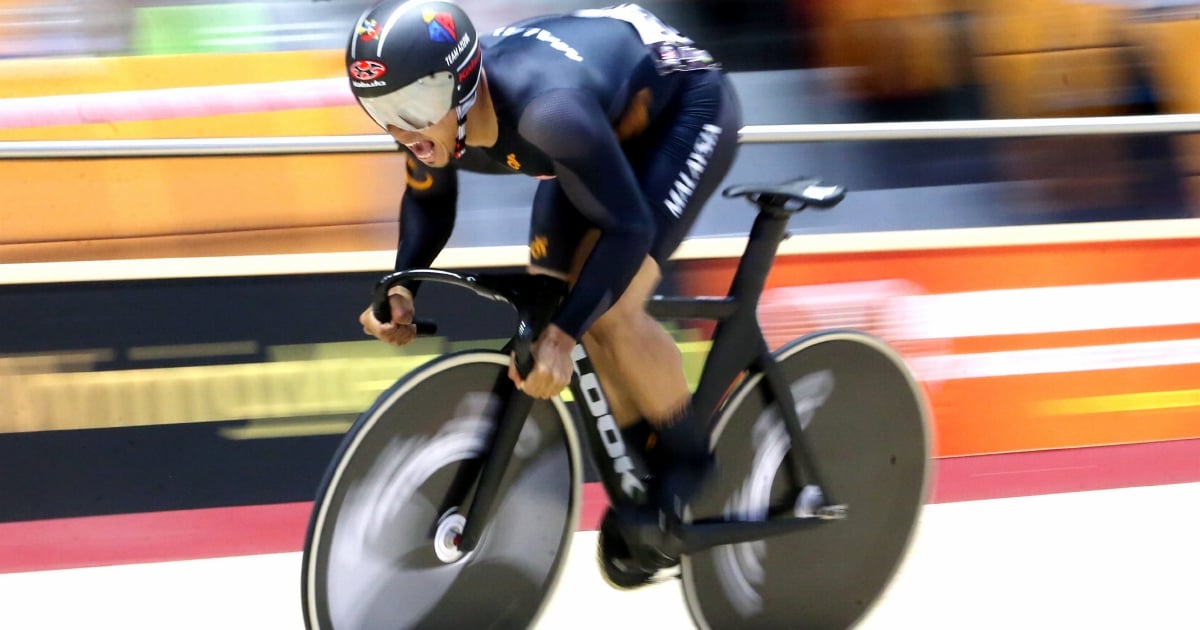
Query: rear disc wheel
point(865, 424)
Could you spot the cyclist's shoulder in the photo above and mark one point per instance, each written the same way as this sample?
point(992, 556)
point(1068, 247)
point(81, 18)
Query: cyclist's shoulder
point(560, 40)
point(530, 60)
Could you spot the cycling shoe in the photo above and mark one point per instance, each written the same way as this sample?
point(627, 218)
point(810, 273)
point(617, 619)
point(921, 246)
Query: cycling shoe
point(620, 566)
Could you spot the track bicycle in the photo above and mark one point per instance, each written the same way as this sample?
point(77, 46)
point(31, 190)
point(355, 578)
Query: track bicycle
point(451, 502)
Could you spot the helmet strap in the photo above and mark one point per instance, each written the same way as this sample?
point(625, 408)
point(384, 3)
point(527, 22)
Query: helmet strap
point(460, 137)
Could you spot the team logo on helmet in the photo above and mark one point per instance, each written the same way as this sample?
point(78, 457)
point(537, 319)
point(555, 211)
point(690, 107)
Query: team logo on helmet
point(441, 26)
point(368, 30)
point(367, 70)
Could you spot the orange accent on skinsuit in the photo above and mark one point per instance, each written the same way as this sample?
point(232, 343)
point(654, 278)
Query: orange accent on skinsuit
point(410, 177)
point(539, 247)
point(636, 117)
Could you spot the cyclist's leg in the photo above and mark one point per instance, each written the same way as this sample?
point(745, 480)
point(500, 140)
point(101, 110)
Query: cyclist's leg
point(679, 167)
point(647, 382)
point(679, 163)
point(650, 376)
point(560, 239)
point(648, 385)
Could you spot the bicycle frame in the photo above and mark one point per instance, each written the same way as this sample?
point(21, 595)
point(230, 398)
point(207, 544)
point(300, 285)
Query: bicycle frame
point(738, 343)
point(738, 347)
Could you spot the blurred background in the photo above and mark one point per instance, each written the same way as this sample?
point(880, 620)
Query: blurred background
point(794, 61)
point(121, 396)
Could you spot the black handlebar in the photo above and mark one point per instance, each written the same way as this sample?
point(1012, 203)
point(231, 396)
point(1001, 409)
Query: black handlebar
point(522, 348)
point(383, 314)
point(532, 297)
point(382, 309)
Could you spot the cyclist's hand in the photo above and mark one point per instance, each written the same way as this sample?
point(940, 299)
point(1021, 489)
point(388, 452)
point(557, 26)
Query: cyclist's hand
point(552, 364)
point(400, 330)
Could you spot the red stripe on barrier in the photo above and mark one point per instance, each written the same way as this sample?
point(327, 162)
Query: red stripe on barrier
point(1065, 470)
point(152, 537)
point(258, 529)
point(595, 501)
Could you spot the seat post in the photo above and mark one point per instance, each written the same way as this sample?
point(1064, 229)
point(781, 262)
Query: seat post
point(768, 231)
point(738, 338)
point(776, 204)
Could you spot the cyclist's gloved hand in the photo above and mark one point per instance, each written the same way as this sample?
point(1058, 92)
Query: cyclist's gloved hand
point(400, 330)
point(552, 364)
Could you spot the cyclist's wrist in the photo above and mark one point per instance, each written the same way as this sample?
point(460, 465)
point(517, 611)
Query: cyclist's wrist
point(401, 291)
point(564, 325)
point(554, 334)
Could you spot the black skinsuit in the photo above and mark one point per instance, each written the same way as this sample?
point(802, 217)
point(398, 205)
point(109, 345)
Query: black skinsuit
point(634, 139)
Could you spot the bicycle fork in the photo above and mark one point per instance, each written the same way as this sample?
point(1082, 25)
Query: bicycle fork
point(496, 458)
point(495, 463)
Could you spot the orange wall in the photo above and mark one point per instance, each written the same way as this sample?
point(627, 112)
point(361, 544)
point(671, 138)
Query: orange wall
point(56, 210)
point(1021, 410)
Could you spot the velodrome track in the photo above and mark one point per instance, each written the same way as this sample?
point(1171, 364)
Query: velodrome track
point(1119, 558)
point(1122, 555)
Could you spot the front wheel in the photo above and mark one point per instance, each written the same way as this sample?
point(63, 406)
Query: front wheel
point(381, 550)
point(865, 424)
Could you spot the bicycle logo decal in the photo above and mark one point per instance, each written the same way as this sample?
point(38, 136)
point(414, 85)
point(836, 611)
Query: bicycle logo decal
point(606, 426)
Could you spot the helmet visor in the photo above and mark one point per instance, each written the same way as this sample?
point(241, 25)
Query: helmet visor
point(416, 106)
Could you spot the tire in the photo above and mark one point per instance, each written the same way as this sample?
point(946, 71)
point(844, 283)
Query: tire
point(865, 422)
point(376, 553)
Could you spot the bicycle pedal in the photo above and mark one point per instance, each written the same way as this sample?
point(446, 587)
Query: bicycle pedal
point(674, 572)
point(833, 512)
point(811, 504)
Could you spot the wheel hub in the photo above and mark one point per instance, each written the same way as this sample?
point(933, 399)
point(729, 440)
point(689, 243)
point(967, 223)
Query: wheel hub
point(448, 536)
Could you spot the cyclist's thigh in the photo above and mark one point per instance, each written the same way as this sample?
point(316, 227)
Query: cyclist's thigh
point(685, 161)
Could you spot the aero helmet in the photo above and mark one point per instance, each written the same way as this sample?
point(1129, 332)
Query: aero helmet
point(412, 62)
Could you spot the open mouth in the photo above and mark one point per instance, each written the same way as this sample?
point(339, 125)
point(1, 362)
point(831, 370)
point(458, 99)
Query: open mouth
point(423, 150)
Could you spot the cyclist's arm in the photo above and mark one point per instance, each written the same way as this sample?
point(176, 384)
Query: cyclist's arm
point(427, 213)
point(570, 127)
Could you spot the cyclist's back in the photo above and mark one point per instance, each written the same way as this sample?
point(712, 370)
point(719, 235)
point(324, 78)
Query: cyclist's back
point(531, 64)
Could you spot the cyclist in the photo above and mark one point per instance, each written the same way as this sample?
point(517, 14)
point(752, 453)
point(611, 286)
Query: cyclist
point(630, 126)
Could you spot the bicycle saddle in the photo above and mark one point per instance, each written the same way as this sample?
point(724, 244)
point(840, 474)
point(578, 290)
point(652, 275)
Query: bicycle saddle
point(793, 196)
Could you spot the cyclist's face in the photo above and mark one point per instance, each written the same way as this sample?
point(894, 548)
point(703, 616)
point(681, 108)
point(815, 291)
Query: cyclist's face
point(433, 145)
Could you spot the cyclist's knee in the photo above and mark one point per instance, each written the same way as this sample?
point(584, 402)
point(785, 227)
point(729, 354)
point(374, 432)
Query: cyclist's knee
point(618, 323)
